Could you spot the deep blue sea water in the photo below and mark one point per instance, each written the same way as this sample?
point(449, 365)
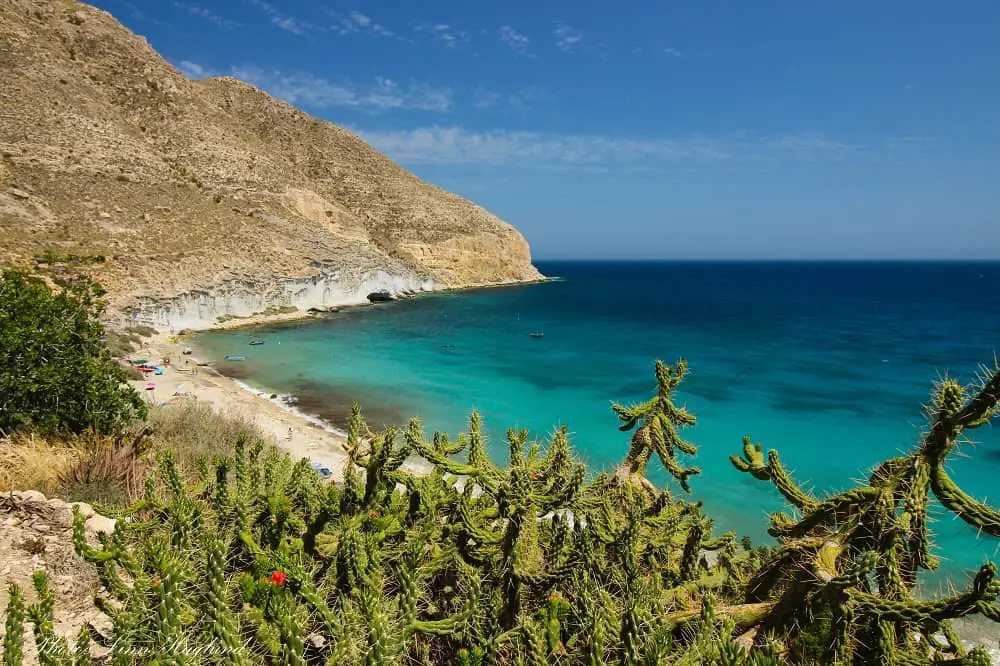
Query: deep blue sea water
point(827, 362)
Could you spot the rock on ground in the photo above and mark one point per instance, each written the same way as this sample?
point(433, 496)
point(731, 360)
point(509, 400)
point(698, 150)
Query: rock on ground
point(37, 533)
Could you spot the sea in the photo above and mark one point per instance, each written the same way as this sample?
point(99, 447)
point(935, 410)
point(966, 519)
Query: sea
point(829, 363)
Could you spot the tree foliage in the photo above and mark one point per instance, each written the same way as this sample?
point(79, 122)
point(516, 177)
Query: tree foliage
point(55, 374)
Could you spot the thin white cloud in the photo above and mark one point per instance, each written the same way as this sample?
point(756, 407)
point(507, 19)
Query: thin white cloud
point(454, 145)
point(208, 15)
point(193, 70)
point(305, 89)
point(517, 42)
point(567, 37)
point(360, 19)
point(286, 22)
point(449, 35)
point(355, 21)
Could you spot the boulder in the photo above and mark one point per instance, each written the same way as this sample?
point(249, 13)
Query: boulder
point(85, 509)
point(99, 523)
point(30, 496)
point(380, 296)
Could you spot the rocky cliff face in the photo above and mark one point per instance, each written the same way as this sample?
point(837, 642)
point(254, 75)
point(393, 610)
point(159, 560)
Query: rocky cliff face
point(210, 197)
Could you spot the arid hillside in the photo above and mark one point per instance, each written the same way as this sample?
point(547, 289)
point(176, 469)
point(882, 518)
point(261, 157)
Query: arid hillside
point(209, 198)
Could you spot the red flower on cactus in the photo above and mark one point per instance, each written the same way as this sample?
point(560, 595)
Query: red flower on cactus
point(373, 514)
point(278, 578)
point(155, 581)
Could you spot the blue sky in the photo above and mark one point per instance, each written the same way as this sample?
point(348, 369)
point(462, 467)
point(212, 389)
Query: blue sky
point(647, 129)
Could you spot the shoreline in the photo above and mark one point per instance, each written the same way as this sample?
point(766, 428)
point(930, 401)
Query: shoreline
point(192, 377)
point(188, 377)
point(264, 319)
point(126, 316)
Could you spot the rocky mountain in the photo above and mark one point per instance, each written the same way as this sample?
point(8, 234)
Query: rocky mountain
point(209, 198)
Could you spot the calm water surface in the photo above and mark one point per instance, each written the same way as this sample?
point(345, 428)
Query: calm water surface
point(828, 363)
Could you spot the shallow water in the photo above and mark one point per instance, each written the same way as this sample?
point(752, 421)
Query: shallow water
point(828, 363)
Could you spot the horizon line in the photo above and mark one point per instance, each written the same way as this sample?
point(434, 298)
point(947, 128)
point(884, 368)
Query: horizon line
point(833, 260)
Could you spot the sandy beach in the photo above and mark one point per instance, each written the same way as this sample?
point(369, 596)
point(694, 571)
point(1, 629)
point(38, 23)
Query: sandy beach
point(184, 378)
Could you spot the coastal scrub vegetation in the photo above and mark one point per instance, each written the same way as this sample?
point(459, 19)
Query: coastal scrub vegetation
point(56, 375)
point(255, 559)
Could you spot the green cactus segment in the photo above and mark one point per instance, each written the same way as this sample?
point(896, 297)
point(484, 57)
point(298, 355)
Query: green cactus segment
point(224, 623)
point(13, 637)
point(656, 423)
point(52, 649)
point(752, 463)
point(952, 414)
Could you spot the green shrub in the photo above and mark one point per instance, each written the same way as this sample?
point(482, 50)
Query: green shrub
point(119, 345)
point(55, 373)
point(143, 331)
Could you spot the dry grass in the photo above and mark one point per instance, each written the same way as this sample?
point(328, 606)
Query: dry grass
point(193, 429)
point(110, 470)
point(31, 462)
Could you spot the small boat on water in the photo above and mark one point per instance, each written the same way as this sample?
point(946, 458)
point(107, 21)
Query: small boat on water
point(537, 335)
point(235, 357)
point(256, 342)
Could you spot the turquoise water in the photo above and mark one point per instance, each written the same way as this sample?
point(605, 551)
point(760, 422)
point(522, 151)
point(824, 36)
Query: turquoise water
point(828, 363)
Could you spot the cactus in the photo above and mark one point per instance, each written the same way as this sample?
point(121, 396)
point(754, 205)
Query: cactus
point(224, 623)
point(13, 638)
point(828, 556)
point(52, 649)
point(493, 530)
point(658, 420)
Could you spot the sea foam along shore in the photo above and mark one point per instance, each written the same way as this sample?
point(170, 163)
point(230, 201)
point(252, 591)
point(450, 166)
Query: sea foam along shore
point(188, 377)
point(185, 377)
